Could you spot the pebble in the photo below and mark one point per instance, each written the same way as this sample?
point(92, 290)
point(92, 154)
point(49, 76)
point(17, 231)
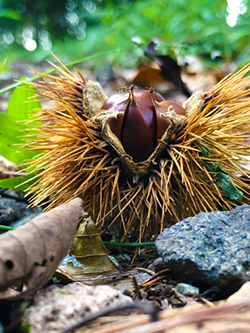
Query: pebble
point(187, 289)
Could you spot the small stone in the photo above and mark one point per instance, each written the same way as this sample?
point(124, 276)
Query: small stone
point(187, 289)
point(156, 263)
point(10, 210)
point(26, 218)
point(209, 249)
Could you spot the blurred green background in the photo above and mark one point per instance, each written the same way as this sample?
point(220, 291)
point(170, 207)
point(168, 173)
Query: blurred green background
point(213, 34)
point(213, 30)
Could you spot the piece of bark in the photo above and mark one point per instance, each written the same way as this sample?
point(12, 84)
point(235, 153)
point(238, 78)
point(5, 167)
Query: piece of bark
point(31, 253)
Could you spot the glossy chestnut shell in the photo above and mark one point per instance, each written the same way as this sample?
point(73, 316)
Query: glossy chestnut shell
point(140, 122)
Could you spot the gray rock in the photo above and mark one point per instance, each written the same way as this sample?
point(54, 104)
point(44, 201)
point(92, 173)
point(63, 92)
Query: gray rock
point(187, 289)
point(15, 213)
point(10, 210)
point(26, 218)
point(209, 249)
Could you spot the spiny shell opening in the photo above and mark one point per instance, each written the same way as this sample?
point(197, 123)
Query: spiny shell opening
point(196, 165)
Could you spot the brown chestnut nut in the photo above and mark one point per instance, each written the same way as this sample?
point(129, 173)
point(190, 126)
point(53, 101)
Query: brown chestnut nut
point(141, 125)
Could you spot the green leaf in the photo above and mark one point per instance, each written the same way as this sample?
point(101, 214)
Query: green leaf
point(13, 183)
point(223, 180)
point(19, 107)
point(206, 151)
point(13, 126)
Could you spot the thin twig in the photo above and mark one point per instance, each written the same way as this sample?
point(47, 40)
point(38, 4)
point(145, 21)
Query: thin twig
point(146, 307)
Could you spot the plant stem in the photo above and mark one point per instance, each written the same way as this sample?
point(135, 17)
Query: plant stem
point(128, 244)
point(4, 227)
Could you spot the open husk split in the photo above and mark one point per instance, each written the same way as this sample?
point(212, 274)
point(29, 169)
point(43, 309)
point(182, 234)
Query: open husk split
point(198, 164)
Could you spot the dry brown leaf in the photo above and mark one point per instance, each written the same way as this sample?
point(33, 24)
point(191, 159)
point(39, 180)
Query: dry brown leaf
point(89, 256)
point(31, 253)
point(149, 75)
point(7, 168)
point(204, 81)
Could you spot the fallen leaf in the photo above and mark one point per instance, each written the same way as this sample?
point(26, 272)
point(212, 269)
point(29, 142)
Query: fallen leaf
point(149, 74)
point(31, 253)
point(203, 81)
point(170, 70)
point(7, 168)
point(88, 256)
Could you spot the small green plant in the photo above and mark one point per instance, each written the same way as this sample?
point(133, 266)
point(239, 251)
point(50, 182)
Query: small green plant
point(20, 111)
point(26, 326)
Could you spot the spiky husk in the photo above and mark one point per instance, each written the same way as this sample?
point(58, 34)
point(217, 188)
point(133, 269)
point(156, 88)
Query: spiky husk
point(77, 161)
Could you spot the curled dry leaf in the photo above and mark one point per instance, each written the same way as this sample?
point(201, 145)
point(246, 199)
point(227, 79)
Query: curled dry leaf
point(31, 253)
point(88, 256)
